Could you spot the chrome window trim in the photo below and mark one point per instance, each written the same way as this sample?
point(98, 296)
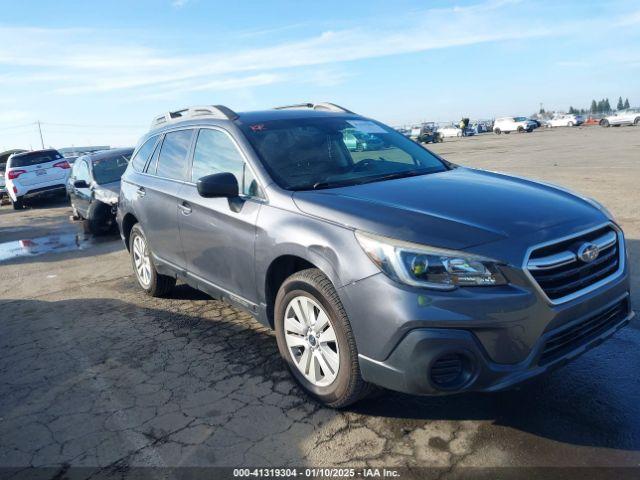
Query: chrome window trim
point(572, 296)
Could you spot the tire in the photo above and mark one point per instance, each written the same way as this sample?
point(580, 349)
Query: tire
point(604, 123)
point(345, 384)
point(636, 122)
point(18, 204)
point(156, 285)
point(99, 221)
point(497, 131)
point(520, 130)
point(570, 124)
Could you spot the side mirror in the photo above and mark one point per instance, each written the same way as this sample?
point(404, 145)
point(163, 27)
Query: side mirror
point(218, 185)
point(81, 184)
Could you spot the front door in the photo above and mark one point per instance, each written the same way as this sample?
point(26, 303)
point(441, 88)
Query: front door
point(218, 234)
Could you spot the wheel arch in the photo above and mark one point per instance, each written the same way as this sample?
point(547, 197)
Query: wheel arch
point(128, 221)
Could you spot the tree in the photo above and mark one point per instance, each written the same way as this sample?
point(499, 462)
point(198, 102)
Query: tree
point(620, 105)
point(594, 106)
point(626, 105)
point(607, 106)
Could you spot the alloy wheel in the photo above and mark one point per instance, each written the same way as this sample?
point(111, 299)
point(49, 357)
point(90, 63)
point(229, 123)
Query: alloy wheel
point(142, 261)
point(311, 341)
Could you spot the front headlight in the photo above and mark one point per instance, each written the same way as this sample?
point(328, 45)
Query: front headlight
point(430, 267)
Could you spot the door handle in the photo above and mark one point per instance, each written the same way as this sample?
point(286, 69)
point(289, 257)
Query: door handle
point(185, 208)
point(140, 192)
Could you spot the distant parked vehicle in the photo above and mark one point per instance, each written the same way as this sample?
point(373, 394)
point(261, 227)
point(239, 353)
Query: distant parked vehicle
point(569, 120)
point(357, 141)
point(34, 174)
point(624, 117)
point(450, 131)
point(94, 187)
point(426, 133)
point(3, 188)
point(513, 124)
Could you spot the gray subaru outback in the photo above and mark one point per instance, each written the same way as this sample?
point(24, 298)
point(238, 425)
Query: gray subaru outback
point(386, 266)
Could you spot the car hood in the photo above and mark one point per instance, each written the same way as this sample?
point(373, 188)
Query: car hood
point(457, 209)
point(108, 192)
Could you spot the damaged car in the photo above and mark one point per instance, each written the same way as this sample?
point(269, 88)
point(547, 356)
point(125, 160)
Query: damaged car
point(94, 187)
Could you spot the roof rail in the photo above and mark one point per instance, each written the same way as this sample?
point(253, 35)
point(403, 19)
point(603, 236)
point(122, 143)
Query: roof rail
point(325, 106)
point(214, 111)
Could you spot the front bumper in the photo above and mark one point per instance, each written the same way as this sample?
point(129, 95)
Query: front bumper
point(502, 333)
point(409, 368)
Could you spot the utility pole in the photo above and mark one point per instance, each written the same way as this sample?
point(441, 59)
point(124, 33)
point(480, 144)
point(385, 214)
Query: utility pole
point(40, 131)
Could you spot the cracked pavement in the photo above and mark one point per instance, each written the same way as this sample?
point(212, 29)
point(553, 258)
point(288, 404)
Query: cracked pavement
point(94, 373)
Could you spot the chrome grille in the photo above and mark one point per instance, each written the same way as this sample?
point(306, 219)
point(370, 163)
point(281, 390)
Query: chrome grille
point(559, 270)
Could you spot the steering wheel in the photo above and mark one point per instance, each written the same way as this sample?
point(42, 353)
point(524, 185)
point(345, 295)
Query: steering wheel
point(364, 164)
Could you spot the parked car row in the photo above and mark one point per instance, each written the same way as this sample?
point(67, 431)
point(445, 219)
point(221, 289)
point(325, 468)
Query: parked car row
point(92, 184)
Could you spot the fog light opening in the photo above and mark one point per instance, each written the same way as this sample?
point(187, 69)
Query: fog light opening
point(451, 371)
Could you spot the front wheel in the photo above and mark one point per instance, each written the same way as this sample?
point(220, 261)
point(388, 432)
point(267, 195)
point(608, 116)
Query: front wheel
point(636, 122)
point(497, 131)
point(316, 341)
point(148, 278)
point(604, 123)
point(570, 124)
point(520, 129)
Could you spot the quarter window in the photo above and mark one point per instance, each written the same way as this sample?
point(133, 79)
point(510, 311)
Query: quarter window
point(215, 152)
point(172, 161)
point(142, 155)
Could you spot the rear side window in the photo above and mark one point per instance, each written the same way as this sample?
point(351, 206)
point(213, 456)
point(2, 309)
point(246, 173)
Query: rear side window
point(143, 154)
point(172, 161)
point(216, 153)
point(35, 158)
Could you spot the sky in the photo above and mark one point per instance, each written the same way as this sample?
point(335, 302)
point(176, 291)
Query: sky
point(98, 72)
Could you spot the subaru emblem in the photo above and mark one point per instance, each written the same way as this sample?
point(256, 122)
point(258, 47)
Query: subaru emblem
point(588, 252)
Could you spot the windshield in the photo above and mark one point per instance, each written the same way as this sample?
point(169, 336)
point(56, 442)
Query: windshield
point(110, 169)
point(326, 152)
point(520, 119)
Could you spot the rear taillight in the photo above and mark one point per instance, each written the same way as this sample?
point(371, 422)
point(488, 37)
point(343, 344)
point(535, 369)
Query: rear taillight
point(63, 164)
point(13, 174)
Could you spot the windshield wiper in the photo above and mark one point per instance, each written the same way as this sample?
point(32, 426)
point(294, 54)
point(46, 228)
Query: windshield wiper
point(391, 176)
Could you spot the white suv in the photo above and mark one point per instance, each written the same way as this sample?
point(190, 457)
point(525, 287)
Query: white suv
point(568, 120)
point(513, 124)
point(624, 117)
point(35, 173)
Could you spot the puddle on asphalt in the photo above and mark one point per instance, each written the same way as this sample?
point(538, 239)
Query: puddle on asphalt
point(39, 246)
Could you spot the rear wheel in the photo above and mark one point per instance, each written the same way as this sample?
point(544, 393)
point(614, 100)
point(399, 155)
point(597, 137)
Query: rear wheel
point(604, 122)
point(148, 278)
point(636, 122)
point(570, 124)
point(18, 204)
point(316, 341)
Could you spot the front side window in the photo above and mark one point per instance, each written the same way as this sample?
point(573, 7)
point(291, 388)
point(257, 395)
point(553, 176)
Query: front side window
point(172, 161)
point(215, 152)
point(142, 155)
point(83, 172)
point(327, 152)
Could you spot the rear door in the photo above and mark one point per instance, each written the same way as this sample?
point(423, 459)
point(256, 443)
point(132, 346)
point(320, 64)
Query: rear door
point(158, 196)
point(218, 234)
